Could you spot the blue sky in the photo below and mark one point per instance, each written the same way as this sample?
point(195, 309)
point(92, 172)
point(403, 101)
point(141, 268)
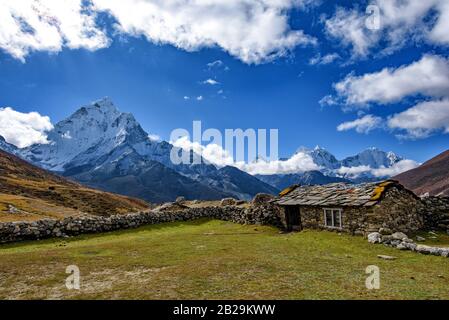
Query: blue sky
point(151, 81)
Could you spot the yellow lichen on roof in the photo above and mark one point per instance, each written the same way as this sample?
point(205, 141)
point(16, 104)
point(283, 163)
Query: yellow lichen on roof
point(378, 191)
point(288, 190)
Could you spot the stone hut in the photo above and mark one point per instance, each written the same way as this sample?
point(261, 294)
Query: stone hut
point(357, 209)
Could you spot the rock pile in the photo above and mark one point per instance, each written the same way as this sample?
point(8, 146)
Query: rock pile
point(400, 241)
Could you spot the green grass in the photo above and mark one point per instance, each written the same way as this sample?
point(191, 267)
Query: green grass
point(435, 239)
point(210, 259)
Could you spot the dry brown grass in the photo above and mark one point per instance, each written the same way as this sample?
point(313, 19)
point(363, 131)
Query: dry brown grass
point(36, 192)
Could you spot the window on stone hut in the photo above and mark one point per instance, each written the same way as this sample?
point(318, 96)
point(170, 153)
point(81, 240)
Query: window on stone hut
point(332, 218)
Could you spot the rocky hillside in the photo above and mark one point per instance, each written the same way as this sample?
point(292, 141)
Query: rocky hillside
point(431, 177)
point(29, 193)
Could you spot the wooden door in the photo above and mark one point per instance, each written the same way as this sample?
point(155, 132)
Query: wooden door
point(293, 218)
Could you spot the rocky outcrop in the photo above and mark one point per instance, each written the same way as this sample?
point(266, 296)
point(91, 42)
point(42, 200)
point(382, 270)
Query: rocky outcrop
point(400, 241)
point(71, 226)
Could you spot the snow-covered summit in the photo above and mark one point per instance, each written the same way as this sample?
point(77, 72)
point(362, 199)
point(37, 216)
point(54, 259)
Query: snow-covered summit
point(89, 133)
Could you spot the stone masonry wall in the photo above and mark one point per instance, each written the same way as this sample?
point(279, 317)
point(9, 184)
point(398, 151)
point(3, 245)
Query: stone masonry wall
point(436, 213)
point(71, 226)
point(353, 219)
point(398, 211)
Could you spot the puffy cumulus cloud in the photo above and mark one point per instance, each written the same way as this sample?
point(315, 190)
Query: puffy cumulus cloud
point(253, 31)
point(349, 27)
point(423, 119)
point(298, 163)
point(362, 125)
point(23, 129)
point(400, 21)
point(48, 25)
point(215, 154)
point(395, 169)
point(353, 172)
point(429, 77)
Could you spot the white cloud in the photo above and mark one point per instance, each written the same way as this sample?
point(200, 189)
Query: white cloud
point(323, 60)
point(423, 119)
point(186, 98)
point(298, 163)
point(200, 98)
point(154, 137)
point(48, 25)
point(353, 172)
point(401, 22)
point(428, 76)
point(395, 169)
point(211, 82)
point(253, 31)
point(362, 125)
point(220, 157)
point(23, 129)
point(215, 64)
point(349, 27)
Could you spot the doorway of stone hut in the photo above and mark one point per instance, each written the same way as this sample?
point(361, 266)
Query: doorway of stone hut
point(293, 218)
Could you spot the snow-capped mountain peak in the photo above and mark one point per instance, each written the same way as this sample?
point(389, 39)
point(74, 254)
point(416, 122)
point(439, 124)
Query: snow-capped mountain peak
point(90, 132)
point(321, 157)
point(373, 158)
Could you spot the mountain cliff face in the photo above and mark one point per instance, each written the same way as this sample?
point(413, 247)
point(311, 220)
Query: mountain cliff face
point(432, 177)
point(102, 147)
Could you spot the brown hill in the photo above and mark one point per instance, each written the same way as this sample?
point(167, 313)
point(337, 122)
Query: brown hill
point(431, 177)
point(29, 193)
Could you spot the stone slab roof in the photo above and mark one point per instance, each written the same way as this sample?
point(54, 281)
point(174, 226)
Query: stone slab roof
point(336, 194)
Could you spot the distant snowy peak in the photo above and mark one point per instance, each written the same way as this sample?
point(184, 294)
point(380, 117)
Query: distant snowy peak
point(373, 158)
point(321, 157)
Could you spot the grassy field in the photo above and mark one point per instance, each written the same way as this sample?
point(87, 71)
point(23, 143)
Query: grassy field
point(209, 259)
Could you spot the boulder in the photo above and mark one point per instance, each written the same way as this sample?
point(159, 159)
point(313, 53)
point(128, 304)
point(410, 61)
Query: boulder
point(227, 202)
point(399, 236)
point(384, 257)
point(171, 206)
point(420, 239)
point(180, 199)
point(375, 237)
point(262, 198)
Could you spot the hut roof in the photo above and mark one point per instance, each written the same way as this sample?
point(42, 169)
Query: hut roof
point(336, 194)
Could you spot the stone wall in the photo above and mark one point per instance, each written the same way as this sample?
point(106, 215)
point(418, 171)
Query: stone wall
point(71, 226)
point(436, 213)
point(399, 210)
point(353, 219)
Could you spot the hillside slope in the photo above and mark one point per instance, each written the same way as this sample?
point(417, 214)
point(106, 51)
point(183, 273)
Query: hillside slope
point(431, 177)
point(28, 193)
